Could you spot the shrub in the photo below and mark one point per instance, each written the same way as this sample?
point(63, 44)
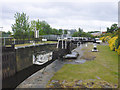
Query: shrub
point(102, 38)
point(112, 43)
point(118, 50)
point(107, 38)
point(116, 44)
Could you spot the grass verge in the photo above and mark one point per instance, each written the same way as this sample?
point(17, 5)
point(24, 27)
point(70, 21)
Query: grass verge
point(103, 68)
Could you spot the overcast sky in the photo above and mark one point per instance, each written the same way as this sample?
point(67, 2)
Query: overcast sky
point(65, 14)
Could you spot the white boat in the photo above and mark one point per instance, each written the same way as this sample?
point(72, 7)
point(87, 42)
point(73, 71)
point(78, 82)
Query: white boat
point(42, 58)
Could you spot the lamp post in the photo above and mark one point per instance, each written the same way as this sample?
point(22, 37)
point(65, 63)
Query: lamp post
point(62, 39)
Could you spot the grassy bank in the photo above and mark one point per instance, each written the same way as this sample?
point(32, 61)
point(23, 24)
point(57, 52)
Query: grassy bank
point(103, 68)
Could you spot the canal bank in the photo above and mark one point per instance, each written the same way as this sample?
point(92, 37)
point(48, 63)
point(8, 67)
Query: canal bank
point(99, 71)
point(23, 61)
point(41, 78)
point(17, 63)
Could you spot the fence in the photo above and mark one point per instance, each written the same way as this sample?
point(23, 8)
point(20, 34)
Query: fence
point(53, 37)
point(10, 40)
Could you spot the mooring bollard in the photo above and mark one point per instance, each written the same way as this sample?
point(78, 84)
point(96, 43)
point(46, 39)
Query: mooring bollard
point(95, 48)
point(58, 43)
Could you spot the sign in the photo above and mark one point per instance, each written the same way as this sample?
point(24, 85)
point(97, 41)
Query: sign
point(42, 58)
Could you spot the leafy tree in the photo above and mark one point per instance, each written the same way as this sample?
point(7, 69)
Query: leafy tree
point(55, 31)
point(93, 31)
point(21, 26)
point(6, 34)
point(81, 33)
point(113, 28)
point(60, 31)
point(33, 25)
point(75, 34)
point(65, 31)
point(9, 33)
point(44, 28)
point(80, 30)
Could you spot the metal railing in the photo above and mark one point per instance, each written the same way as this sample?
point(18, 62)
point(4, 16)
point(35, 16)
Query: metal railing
point(11, 41)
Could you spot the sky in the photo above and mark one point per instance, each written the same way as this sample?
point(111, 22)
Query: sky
point(90, 15)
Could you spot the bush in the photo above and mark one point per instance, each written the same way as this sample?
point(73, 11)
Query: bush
point(107, 38)
point(116, 44)
point(102, 38)
point(118, 50)
point(112, 43)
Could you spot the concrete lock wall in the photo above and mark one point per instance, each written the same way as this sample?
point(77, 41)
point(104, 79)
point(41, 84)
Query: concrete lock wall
point(24, 56)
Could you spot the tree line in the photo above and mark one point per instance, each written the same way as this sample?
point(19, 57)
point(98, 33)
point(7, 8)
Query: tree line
point(22, 28)
point(112, 30)
point(81, 33)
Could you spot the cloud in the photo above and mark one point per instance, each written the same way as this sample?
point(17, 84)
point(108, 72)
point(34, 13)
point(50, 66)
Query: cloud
point(39, 1)
point(89, 16)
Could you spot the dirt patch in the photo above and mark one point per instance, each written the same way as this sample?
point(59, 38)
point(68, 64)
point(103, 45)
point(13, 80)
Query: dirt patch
point(80, 84)
point(88, 56)
point(87, 53)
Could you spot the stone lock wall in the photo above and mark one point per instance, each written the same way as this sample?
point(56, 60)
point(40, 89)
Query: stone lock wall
point(24, 56)
point(15, 60)
point(8, 62)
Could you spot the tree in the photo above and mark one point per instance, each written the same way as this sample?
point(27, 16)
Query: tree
point(113, 28)
point(75, 34)
point(80, 30)
point(65, 31)
point(60, 31)
point(55, 31)
point(6, 34)
point(21, 26)
point(9, 33)
point(81, 33)
point(44, 28)
point(93, 31)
